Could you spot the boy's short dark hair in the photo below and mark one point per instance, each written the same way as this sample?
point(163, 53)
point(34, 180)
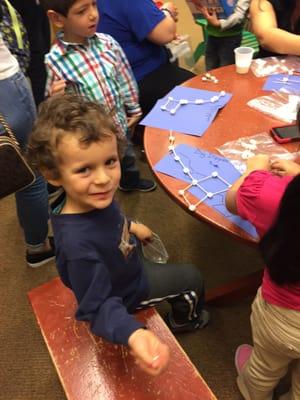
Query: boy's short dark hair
point(64, 114)
point(59, 6)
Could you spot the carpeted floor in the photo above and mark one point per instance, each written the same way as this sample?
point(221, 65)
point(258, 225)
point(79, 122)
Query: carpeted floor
point(27, 372)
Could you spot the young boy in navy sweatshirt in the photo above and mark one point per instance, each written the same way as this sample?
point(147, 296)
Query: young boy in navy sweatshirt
point(75, 145)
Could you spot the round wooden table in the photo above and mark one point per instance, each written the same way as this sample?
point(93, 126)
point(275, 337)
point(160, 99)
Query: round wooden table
point(235, 120)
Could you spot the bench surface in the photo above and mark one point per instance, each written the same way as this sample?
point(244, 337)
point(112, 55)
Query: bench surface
point(91, 368)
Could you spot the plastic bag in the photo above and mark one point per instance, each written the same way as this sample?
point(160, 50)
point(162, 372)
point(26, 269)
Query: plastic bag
point(180, 47)
point(279, 105)
point(275, 65)
point(155, 250)
point(238, 151)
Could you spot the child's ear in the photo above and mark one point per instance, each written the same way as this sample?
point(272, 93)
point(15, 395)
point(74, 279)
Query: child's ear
point(56, 19)
point(48, 175)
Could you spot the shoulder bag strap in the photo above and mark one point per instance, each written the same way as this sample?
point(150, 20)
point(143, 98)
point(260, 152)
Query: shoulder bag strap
point(9, 131)
point(15, 24)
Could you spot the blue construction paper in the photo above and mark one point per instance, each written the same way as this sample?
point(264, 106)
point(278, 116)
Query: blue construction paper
point(190, 118)
point(201, 164)
point(291, 87)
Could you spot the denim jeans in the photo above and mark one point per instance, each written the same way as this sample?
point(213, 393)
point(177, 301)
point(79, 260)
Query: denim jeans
point(18, 108)
point(219, 50)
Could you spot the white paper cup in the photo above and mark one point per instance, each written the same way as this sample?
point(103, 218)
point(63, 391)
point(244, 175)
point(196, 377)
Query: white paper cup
point(243, 58)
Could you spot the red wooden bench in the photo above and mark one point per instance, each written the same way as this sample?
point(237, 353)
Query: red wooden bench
point(92, 369)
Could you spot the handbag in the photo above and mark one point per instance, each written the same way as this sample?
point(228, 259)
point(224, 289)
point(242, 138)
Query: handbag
point(15, 173)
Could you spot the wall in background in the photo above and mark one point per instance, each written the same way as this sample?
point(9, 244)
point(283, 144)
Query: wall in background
point(186, 25)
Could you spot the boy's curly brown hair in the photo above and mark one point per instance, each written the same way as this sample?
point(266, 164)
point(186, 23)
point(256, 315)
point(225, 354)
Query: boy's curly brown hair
point(64, 114)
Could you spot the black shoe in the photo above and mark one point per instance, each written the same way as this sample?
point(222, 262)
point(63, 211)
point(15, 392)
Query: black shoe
point(38, 259)
point(190, 326)
point(143, 185)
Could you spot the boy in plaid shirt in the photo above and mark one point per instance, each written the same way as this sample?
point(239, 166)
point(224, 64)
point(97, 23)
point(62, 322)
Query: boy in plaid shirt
point(95, 66)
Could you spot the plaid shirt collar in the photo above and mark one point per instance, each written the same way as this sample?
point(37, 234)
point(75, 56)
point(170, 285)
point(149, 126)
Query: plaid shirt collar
point(67, 46)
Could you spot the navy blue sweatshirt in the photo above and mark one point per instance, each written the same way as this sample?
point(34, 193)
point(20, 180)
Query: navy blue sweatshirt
point(97, 259)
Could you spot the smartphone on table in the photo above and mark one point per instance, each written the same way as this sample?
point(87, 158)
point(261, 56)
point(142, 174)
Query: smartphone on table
point(286, 134)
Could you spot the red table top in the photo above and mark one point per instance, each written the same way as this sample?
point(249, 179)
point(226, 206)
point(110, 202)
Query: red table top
point(235, 120)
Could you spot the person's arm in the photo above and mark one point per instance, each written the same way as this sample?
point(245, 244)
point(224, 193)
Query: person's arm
point(235, 18)
point(238, 15)
point(258, 162)
point(146, 21)
point(165, 31)
point(265, 27)
point(128, 85)
point(170, 9)
point(49, 81)
point(109, 318)
point(210, 16)
point(55, 84)
point(285, 167)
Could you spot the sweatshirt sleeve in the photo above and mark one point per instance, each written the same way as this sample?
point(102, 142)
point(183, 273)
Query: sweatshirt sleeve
point(238, 15)
point(249, 195)
point(108, 317)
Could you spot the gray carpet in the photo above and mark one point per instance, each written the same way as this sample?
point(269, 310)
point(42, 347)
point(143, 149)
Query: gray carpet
point(26, 370)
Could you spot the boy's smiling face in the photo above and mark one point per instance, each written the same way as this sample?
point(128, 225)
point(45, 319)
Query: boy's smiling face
point(81, 21)
point(89, 173)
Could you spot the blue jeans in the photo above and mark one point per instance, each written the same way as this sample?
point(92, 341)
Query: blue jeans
point(18, 108)
point(219, 50)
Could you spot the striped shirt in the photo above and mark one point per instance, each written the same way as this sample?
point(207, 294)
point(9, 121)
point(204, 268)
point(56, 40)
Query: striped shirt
point(100, 71)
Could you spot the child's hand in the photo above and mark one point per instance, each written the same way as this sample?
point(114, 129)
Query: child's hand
point(285, 167)
point(141, 231)
point(210, 16)
point(58, 87)
point(260, 161)
point(149, 352)
point(132, 122)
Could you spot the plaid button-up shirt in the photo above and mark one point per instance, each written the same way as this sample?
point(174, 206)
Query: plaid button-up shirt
point(98, 70)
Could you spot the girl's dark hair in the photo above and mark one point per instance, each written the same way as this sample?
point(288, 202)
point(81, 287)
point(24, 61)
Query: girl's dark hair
point(281, 4)
point(279, 246)
point(289, 16)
